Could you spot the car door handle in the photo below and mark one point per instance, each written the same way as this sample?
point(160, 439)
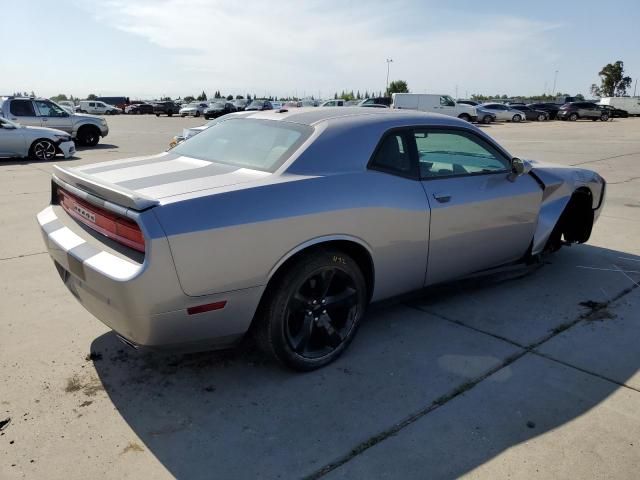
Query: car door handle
point(442, 197)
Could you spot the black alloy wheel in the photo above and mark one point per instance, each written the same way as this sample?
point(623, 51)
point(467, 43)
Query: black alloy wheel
point(313, 310)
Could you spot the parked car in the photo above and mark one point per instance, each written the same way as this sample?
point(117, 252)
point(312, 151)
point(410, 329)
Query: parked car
point(434, 103)
point(292, 104)
point(334, 103)
point(119, 102)
point(217, 109)
point(582, 110)
point(310, 103)
point(485, 116)
point(240, 104)
point(17, 141)
point(276, 105)
point(373, 105)
point(504, 112)
point(139, 108)
point(378, 101)
point(630, 104)
point(86, 130)
point(96, 107)
point(227, 243)
point(259, 104)
point(550, 108)
point(190, 132)
point(165, 108)
point(532, 113)
point(67, 105)
point(193, 109)
point(614, 112)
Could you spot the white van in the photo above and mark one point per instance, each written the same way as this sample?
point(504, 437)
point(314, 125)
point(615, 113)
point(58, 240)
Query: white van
point(630, 104)
point(97, 107)
point(434, 103)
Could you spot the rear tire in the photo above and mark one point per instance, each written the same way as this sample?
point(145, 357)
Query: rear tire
point(311, 312)
point(464, 117)
point(516, 118)
point(573, 117)
point(486, 119)
point(604, 118)
point(541, 118)
point(88, 135)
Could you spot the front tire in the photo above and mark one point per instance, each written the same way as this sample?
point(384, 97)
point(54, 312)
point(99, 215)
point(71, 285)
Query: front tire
point(573, 117)
point(464, 117)
point(486, 119)
point(542, 118)
point(516, 118)
point(43, 150)
point(604, 118)
point(311, 313)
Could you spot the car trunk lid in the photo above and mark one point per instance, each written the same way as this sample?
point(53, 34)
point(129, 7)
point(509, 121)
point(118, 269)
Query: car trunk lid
point(143, 182)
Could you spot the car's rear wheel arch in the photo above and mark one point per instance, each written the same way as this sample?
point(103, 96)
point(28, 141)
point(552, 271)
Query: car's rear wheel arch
point(355, 248)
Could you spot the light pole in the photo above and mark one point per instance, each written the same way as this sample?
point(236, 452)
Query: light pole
point(389, 62)
point(555, 79)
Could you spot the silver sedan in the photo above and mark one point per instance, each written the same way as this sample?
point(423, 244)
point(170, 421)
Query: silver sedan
point(286, 224)
point(504, 112)
point(17, 141)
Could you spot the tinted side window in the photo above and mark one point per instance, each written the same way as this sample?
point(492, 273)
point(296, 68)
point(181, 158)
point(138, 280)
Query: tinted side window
point(22, 108)
point(393, 156)
point(443, 153)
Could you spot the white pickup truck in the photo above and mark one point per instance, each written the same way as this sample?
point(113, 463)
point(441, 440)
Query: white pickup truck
point(434, 103)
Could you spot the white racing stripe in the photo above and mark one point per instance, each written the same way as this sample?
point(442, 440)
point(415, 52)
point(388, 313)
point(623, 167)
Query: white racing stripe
point(46, 216)
point(150, 169)
point(66, 239)
point(112, 266)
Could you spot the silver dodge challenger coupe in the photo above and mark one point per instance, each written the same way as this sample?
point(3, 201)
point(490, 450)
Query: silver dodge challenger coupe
point(286, 224)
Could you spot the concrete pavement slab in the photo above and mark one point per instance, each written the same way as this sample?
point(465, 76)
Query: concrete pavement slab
point(231, 412)
point(527, 309)
point(533, 419)
point(608, 343)
point(18, 224)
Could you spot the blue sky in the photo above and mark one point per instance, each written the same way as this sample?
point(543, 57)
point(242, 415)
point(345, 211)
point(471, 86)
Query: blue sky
point(148, 48)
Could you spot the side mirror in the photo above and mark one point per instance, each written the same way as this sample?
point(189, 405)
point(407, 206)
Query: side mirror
point(520, 167)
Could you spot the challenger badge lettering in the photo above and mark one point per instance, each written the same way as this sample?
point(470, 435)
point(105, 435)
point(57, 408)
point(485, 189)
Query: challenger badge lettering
point(85, 213)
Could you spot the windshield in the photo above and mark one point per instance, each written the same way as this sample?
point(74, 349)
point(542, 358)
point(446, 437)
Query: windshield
point(191, 105)
point(257, 103)
point(249, 143)
point(217, 105)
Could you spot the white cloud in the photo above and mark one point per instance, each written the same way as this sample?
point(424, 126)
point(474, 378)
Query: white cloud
point(292, 46)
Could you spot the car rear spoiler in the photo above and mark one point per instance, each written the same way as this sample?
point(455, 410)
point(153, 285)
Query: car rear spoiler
point(104, 190)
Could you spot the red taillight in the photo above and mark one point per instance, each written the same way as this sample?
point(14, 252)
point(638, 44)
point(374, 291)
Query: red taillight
point(120, 229)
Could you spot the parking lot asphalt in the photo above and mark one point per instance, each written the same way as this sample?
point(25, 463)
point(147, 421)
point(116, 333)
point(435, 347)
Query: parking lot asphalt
point(533, 373)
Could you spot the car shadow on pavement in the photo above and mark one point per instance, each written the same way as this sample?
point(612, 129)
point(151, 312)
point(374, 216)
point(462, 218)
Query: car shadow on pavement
point(99, 146)
point(465, 358)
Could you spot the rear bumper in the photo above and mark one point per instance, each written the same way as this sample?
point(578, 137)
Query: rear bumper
point(141, 301)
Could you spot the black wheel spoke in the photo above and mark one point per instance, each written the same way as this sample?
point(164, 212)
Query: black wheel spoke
point(326, 278)
point(300, 302)
point(301, 340)
point(347, 298)
point(334, 337)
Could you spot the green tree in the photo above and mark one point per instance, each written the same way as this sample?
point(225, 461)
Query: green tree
point(189, 98)
point(202, 97)
point(59, 97)
point(229, 97)
point(92, 96)
point(580, 97)
point(239, 97)
point(613, 82)
point(397, 86)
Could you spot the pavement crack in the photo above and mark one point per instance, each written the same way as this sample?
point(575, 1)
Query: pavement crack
point(21, 256)
point(606, 158)
point(444, 399)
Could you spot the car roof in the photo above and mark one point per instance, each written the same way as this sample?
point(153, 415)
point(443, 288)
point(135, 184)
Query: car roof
point(353, 115)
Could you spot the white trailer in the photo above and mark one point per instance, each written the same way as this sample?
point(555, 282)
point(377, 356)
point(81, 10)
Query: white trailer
point(434, 103)
point(630, 104)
